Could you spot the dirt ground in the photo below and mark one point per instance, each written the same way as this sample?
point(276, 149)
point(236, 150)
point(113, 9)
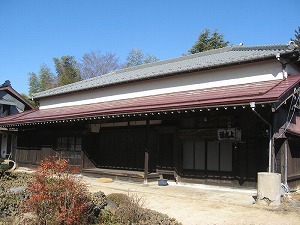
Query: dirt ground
point(200, 204)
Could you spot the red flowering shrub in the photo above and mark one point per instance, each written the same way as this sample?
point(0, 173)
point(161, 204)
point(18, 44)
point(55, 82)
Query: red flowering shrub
point(56, 195)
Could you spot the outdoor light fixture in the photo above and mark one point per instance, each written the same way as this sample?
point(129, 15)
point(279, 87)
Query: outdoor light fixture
point(252, 105)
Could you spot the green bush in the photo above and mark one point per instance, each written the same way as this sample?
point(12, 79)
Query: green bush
point(15, 179)
point(97, 203)
point(10, 196)
point(153, 217)
point(119, 198)
point(131, 211)
point(3, 167)
point(45, 197)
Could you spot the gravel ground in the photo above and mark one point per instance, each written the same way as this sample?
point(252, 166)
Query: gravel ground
point(202, 204)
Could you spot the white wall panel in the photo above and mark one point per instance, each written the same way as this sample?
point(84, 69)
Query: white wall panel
point(242, 74)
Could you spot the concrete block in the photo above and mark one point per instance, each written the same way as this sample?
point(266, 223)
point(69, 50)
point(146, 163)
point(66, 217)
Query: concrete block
point(268, 188)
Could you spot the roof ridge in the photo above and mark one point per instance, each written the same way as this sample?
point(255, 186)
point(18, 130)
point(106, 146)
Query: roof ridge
point(202, 60)
point(260, 47)
point(147, 65)
point(176, 59)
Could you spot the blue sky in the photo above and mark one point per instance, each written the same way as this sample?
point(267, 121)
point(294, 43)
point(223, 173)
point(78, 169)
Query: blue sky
point(33, 32)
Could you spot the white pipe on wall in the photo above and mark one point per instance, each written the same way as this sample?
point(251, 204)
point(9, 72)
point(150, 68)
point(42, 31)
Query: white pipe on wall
point(270, 168)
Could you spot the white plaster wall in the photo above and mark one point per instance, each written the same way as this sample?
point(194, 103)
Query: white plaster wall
point(241, 74)
point(292, 70)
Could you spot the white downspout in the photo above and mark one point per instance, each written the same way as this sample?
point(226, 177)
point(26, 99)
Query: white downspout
point(252, 105)
point(285, 163)
point(283, 65)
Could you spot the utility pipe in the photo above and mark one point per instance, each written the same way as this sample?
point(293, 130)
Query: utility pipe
point(283, 65)
point(252, 105)
point(285, 162)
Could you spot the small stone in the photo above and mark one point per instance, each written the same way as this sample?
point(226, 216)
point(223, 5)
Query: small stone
point(105, 180)
point(18, 189)
point(111, 206)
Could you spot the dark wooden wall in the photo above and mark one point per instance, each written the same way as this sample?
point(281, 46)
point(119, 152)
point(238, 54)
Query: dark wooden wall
point(294, 158)
point(249, 156)
point(32, 156)
point(119, 148)
point(124, 147)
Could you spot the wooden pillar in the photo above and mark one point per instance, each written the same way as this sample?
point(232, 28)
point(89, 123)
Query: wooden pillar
point(146, 162)
point(146, 168)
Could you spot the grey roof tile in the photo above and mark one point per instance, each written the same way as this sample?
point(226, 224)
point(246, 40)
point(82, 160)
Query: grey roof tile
point(200, 61)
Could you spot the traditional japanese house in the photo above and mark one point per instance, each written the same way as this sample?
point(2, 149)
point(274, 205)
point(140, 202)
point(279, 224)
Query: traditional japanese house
point(218, 116)
point(11, 103)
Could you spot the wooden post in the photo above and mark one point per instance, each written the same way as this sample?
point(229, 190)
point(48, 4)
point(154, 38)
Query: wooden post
point(146, 167)
point(146, 163)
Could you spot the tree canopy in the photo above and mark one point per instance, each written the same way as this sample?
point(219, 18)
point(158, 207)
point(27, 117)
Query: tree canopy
point(96, 63)
point(136, 57)
point(207, 41)
point(67, 73)
point(34, 83)
point(43, 81)
point(92, 64)
point(47, 78)
point(297, 37)
point(66, 69)
point(28, 99)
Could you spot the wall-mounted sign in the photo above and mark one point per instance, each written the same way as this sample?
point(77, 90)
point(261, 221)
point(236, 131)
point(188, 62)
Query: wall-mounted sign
point(229, 134)
point(95, 128)
point(12, 129)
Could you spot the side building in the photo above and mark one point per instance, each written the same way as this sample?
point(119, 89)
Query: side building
point(11, 103)
point(217, 117)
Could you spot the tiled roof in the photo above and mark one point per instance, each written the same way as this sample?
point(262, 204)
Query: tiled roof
point(260, 92)
point(12, 92)
point(200, 61)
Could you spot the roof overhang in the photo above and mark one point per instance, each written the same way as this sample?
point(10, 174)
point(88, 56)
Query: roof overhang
point(274, 92)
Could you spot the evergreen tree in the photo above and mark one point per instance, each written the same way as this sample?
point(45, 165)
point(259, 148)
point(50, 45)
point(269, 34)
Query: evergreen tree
point(46, 78)
point(34, 83)
point(207, 41)
point(297, 37)
point(28, 99)
point(66, 69)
